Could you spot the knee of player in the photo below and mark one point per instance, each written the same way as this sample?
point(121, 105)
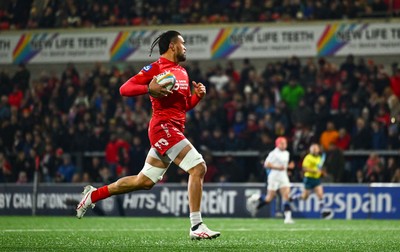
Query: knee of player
point(147, 184)
point(193, 163)
point(199, 170)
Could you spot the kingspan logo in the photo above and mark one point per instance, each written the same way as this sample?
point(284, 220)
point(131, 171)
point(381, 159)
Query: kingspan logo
point(349, 204)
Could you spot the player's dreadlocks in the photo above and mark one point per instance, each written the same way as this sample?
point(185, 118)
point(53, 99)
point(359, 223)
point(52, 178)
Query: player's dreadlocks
point(163, 41)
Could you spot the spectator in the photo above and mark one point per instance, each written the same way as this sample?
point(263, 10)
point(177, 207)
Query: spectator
point(93, 170)
point(15, 98)
point(379, 137)
point(212, 170)
point(361, 139)
point(348, 66)
point(73, 17)
point(395, 83)
point(25, 163)
point(390, 168)
point(321, 114)
point(66, 170)
point(335, 163)
point(232, 172)
point(70, 76)
point(379, 7)
point(245, 73)
point(5, 110)
point(343, 140)
point(373, 169)
point(97, 139)
point(32, 22)
point(233, 143)
point(251, 130)
point(86, 178)
point(18, 11)
point(96, 15)
point(82, 99)
point(281, 116)
point(116, 152)
point(26, 121)
point(268, 107)
point(48, 19)
point(22, 178)
point(137, 154)
point(381, 115)
point(396, 176)
point(21, 77)
point(394, 136)
point(217, 141)
point(303, 137)
point(292, 93)
point(344, 119)
point(76, 178)
point(106, 174)
point(50, 162)
point(239, 125)
point(219, 79)
point(302, 114)
point(336, 98)
point(329, 136)
point(360, 177)
point(5, 83)
point(81, 137)
point(230, 72)
point(6, 174)
point(394, 105)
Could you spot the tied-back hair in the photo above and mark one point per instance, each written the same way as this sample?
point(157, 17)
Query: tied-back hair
point(163, 41)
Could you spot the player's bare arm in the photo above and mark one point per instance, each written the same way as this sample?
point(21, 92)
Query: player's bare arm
point(291, 165)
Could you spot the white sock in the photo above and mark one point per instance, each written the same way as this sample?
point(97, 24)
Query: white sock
point(288, 215)
point(195, 218)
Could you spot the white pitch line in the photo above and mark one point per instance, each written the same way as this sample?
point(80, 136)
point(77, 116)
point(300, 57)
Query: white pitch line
point(163, 230)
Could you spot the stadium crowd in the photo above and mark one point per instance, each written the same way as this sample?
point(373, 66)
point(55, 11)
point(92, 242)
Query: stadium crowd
point(46, 121)
point(32, 14)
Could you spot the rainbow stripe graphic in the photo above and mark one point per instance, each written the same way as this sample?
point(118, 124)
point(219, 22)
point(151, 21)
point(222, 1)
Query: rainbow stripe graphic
point(25, 49)
point(123, 46)
point(330, 43)
point(222, 46)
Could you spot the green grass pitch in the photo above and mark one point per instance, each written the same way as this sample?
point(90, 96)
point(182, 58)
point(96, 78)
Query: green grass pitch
point(171, 234)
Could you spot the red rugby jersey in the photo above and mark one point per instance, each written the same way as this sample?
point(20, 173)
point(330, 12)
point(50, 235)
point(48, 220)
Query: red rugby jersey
point(172, 108)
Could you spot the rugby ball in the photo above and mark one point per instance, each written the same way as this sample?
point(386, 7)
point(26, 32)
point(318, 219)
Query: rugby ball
point(166, 77)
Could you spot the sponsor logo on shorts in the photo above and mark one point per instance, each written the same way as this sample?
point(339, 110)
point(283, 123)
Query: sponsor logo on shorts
point(162, 142)
point(166, 130)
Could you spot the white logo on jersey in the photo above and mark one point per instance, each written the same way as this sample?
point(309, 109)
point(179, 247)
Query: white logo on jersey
point(147, 68)
point(181, 84)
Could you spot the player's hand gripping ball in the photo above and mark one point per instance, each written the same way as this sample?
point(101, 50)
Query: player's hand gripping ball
point(166, 78)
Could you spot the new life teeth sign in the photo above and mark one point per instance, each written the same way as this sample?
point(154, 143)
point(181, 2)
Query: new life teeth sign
point(202, 42)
